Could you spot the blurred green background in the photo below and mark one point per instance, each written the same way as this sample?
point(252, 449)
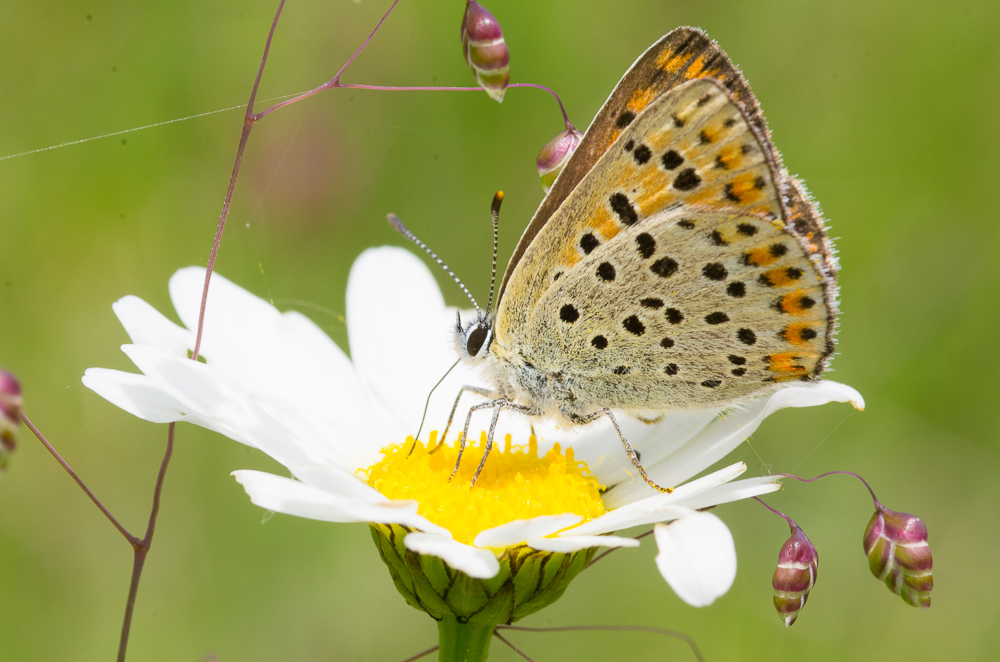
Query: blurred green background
point(888, 109)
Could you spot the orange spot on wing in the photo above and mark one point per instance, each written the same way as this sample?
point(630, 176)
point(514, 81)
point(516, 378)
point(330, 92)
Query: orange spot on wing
point(654, 191)
point(796, 333)
point(613, 137)
point(604, 224)
point(730, 156)
point(779, 277)
point(744, 187)
point(711, 133)
point(660, 140)
point(569, 256)
point(694, 69)
point(760, 257)
point(640, 99)
point(788, 365)
point(668, 61)
point(796, 303)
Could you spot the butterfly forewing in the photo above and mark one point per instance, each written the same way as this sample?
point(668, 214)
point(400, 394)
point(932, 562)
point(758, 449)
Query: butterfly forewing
point(684, 54)
point(669, 277)
point(692, 147)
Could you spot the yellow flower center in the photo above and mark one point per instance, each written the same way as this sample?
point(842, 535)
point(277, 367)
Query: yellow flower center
point(515, 483)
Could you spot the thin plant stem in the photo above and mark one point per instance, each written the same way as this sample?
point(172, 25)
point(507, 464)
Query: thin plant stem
point(421, 654)
point(141, 547)
point(605, 553)
point(615, 628)
point(841, 472)
point(780, 514)
point(86, 490)
point(512, 646)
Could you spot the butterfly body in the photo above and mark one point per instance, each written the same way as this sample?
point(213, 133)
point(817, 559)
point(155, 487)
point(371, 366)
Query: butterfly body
point(673, 264)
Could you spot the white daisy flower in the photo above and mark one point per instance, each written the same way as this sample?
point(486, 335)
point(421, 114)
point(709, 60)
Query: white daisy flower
point(276, 382)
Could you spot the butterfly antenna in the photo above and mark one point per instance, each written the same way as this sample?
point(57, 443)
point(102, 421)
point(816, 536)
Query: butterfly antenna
point(495, 213)
point(398, 226)
point(427, 404)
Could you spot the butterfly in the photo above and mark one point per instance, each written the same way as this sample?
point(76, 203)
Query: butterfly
point(673, 264)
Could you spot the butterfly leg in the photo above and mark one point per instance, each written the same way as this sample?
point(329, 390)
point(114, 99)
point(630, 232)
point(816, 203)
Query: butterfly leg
point(496, 405)
point(632, 454)
point(471, 389)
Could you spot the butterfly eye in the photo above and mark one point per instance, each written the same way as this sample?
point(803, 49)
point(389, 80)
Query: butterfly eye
point(477, 337)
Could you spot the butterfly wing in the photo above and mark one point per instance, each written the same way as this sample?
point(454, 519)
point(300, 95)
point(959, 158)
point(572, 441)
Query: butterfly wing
point(674, 245)
point(682, 55)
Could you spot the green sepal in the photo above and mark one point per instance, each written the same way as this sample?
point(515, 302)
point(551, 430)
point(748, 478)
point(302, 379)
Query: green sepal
point(528, 580)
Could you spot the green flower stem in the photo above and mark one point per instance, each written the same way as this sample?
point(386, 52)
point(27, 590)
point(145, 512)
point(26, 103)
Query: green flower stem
point(463, 642)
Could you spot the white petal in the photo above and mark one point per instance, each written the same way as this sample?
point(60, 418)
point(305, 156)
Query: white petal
point(519, 530)
point(660, 507)
point(147, 326)
point(335, 480)
point(400, 339)
point(293, 369)
point(136, 394)
point(600, 447)
point(735, 491)
point(569, 543)
point(720, 437)
point(477, 563)
point(697, 557)
point(285, 495)
point(217, 401)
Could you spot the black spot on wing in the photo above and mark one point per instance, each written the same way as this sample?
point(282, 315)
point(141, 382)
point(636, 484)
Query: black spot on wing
point(714, 271)
point(646, 245)
point(569, 314)
point(642, 154)
point(671, 160)
point(687, 180)
point(625, 119)
point(623, 208)
point(634, 325)
point(665, 267)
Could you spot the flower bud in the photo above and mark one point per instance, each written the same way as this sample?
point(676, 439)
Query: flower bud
point(898, 553)
point(528, 580)
point(555, 154)
point(10, 414)
point(795, 575)
point(485, 49)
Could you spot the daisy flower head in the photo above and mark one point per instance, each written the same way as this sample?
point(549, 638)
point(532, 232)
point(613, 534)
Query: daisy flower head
point(491, 553)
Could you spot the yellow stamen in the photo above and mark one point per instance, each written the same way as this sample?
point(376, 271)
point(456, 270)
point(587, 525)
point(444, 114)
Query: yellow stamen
point(515, 484)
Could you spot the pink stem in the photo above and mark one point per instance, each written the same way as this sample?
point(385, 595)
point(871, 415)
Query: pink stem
point(603, 554)
point(128, 536)
point(141, 547)
point(788, 519)
point(614, 628)
point(837, 473)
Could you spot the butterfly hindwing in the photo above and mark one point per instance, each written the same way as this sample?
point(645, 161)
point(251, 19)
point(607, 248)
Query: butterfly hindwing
point(685, 309)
